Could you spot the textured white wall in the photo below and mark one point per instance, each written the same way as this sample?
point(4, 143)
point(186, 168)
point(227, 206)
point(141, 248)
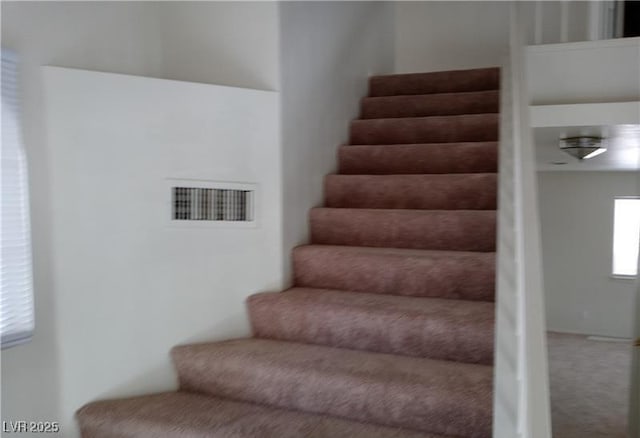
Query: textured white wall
point(100, 36)
point(328, 50)
point(576, 210)
point(139, 38)
point(128, 286)
point(634, 388)
point(441, 35)
point(608, 72)
point(432, 36)
point(228, 43)
point(551, 24)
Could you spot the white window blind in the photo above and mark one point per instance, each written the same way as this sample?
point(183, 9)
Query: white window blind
point(626, 236)
point(16, 295)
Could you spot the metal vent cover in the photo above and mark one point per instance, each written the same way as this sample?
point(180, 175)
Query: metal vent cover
point(210, 202)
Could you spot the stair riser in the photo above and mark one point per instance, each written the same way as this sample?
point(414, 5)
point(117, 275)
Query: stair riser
point(412, 405)
point(438, 230)
point(455, 278)
point(437, 192)
point(477, 157)
point(429, 105)
point(449, 129)
point(446, 336)
point(435, 82)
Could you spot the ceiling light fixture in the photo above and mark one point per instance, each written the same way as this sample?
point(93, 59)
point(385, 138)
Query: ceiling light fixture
point(583, 147)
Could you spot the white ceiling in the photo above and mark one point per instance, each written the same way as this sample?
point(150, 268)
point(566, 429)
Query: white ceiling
point(622, 143)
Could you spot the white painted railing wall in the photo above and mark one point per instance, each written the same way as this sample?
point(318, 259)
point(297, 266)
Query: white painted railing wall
point(566, 21)
point(521, 389)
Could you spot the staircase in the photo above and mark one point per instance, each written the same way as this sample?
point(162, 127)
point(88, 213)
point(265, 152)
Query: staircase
point(389, 329)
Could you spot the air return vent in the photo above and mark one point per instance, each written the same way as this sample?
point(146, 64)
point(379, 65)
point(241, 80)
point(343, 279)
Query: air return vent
point(209, 202)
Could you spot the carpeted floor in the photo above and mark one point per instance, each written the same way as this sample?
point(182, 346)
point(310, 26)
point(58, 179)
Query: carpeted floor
point(589, 386)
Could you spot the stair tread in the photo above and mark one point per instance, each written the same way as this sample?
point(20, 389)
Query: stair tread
point(421, 145)
point(419, 177)
point(171, 414)
point(392, 120)
point(429, 129)
point(476, 79)
point(421, 158)
point(471, 191)
point(416, 326)
point(397, 271)
point(432, 96)
point(400, 252)
point(433, 74)
point(417, 105)
point(409, 212)
point(449, 398)
point(466, 230)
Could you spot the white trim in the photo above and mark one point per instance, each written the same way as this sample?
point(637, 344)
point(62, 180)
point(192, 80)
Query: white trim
point(594, 14)
point(147, 79)
point(538, 21)
point(600, 338)
point(623, 277)
point(618, 25)
point(608, 339)
point(585, 45)
point(564, 21)
point(585, 114)
point(521, 386)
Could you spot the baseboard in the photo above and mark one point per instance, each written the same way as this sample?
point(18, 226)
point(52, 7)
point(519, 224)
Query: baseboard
point(608, 339)
point(591, 337)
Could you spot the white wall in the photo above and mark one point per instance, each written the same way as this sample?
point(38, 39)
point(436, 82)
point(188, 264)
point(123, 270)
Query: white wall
point(432, 36)
point(441, 35)
point(551, 21)
point(229, 43)
point(576, 211)
point(608, 72)
point(122, 37)
point(328, 50)
point(634, 387)
point(112, 37)
point(127, 285)
point(322, 53)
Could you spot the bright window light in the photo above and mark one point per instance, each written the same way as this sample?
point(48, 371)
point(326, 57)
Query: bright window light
point(626, 236)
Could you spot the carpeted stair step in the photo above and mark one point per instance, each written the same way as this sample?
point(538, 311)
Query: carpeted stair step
point(411, 272)
point(189, 415)
point(470, 157)
point(413, 326)
point(476, 191)
point(389, 330)
point(457, 230)
point(438, 129)
point(454, 81)
point(448, 398)
point(419, 105)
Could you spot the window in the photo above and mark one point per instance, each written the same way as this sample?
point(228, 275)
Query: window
point(626, 236)
point(16, 291)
